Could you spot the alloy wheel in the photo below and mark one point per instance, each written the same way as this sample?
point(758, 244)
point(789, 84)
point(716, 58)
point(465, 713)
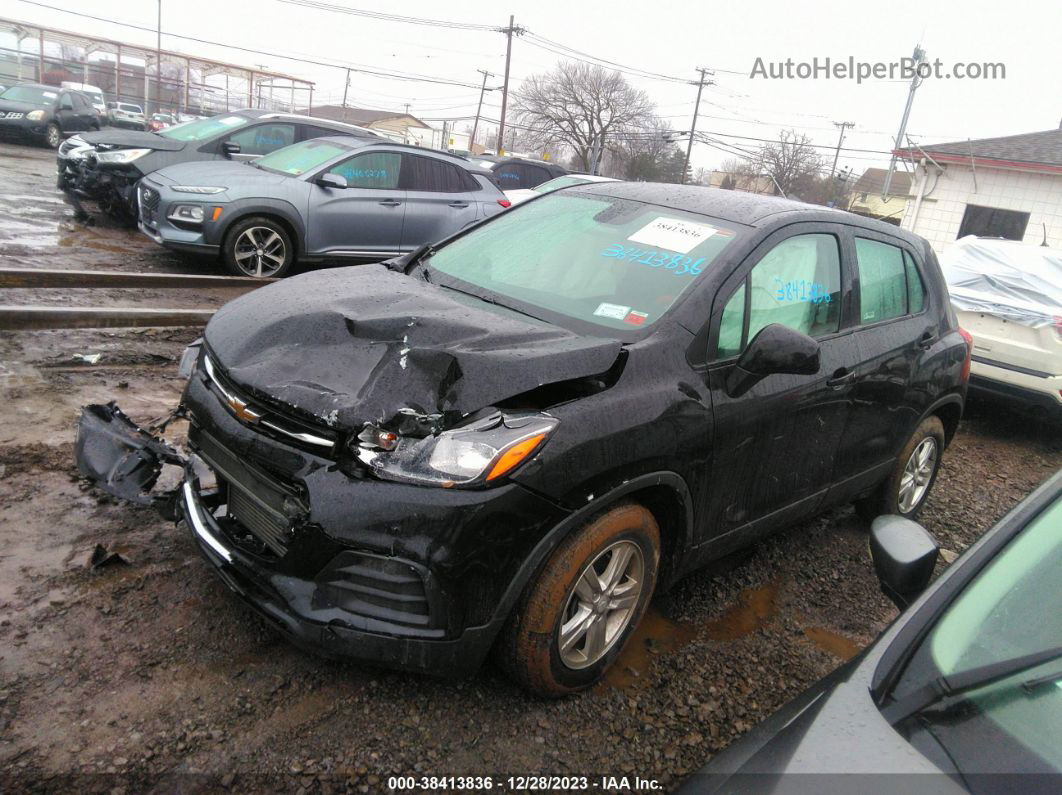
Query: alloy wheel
point(914, 482)
point(54, 138)
point(601, 604)
point(260, 251)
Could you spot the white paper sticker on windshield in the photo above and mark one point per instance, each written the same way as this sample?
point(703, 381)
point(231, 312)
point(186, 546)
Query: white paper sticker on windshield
point(614, 311)
point(231, 121)
point(673, 234)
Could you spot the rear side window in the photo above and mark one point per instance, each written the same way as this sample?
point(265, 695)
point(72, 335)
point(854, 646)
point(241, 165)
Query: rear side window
point(797, 284)
point(264, 138)
point(916, 291)
point(519, 176)
point(375, 170)
point(882, 281)
point(426, 174)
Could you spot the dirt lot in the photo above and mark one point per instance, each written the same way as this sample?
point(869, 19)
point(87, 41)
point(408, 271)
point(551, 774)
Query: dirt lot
point(149, 674)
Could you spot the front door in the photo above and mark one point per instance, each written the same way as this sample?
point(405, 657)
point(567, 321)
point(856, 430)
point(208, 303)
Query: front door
point(365, 218)
point(438, 200)
point(261, 139)
point(774, 445)
point(67, 115)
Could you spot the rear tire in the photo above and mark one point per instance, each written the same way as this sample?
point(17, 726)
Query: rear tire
point(574, 618)
point(912, 477)
point(258, 247)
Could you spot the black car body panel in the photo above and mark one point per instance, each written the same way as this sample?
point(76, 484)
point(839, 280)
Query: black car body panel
point(823, 739)
point(291, 375)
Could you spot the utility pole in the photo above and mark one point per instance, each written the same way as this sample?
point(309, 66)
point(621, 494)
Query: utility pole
point(693, 128)
point(509, 31)
point(158, 62)
point(844, 125)
point(479, 107)
point(919, 58)
point(346, 85)
point(442, 141)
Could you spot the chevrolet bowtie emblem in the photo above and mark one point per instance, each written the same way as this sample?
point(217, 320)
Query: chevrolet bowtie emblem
point(242, 412)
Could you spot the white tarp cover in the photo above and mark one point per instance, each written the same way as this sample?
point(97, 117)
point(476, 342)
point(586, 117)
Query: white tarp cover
point(1005, 278)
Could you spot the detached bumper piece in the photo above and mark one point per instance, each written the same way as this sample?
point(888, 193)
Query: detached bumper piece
point(123, 459)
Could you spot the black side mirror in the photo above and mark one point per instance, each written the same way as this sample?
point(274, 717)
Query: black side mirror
point(904, 555)
point(328, 180)
point(776, 349)
point(66, 106)
point(230, 148)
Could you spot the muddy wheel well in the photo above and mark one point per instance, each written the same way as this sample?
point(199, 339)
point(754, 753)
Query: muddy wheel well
point(949, 415)
point(669, 511)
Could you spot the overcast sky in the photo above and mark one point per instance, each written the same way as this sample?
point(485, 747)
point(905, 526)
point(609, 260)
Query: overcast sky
point(664, 37)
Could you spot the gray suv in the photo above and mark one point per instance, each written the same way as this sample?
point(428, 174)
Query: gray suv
point(334, 197)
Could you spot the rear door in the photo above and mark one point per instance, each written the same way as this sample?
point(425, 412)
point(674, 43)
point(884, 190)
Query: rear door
point(365, 218)
point(438, 200)
point(774, 445)
point(897, 334)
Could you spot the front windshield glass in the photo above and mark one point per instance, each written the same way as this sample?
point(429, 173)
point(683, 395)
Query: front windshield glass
point(615, 263)
point(30, 95)
point(299, 158)
point(204, 128)
point(1013, 608)
point(558, 183)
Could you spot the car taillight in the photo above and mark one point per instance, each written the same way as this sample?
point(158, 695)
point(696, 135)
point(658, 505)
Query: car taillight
point(968, 337)
point(505, 203)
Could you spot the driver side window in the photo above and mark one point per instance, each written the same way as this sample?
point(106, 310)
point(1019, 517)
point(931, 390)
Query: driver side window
point(797, 284)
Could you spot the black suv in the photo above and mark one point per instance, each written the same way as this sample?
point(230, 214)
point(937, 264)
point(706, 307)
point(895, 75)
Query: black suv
point(511, 438)
point(105, 166)
point(45, 114)
point(518, 173)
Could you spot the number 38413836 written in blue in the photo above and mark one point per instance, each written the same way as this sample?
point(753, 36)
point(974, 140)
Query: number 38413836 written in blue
point(804, 291)
point(678, 264)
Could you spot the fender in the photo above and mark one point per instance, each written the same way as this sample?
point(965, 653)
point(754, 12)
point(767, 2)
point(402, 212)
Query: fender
point(534, 562)
point(953, 398)
point(246, 207)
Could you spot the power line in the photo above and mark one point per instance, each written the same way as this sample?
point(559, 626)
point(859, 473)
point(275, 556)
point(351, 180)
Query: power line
point(380, 15)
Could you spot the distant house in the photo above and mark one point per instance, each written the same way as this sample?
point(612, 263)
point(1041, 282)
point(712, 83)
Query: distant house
point(867, 200)
point(401, 126)
point(1009, 187)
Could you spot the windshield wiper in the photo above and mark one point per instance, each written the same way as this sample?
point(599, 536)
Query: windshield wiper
point(956, 684)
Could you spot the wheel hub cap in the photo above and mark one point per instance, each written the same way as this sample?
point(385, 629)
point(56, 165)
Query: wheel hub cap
point(601, 604)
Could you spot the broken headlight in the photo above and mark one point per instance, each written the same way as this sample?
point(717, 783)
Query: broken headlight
point(478, 453)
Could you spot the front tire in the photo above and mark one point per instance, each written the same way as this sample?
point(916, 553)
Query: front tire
point(258, 247)
point(914, 474)
point(53, 136)
point(574, 618)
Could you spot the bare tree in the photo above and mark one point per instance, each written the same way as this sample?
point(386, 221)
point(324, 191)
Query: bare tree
point(792, 162)
point(641, 154)
point(580, 106)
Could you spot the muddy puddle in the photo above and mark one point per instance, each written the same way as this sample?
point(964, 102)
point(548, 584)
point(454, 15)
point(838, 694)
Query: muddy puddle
point(833, 642)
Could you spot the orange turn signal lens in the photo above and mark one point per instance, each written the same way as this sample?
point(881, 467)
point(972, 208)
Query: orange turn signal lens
point(514, 455)
point(216, 215)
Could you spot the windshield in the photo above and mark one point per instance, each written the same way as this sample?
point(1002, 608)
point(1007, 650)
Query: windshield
point(30, 95)
point(299, 158)
point(614, 263)
point(558, 183)
point(1012, 608)
point(204, 128)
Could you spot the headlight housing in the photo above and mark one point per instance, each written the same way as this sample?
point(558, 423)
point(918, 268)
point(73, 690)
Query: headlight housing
point(189, 213)
point(205, 190)
point(477, 454)
point(35, 115)
point(189, 359)
point(119, 156)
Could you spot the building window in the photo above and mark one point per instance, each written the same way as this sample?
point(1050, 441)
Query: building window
point(993, 222)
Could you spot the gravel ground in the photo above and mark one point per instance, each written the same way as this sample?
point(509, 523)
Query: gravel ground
point(149, 675)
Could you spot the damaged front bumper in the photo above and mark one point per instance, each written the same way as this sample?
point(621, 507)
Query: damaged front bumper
point(404, 576)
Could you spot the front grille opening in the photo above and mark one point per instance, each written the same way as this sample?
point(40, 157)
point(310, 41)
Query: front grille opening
point(377, 587)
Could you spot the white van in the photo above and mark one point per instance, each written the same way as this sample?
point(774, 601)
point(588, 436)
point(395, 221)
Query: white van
point(94, 93)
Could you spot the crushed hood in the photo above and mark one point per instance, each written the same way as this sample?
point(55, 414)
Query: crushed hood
point(131, 139)
point(360, 344)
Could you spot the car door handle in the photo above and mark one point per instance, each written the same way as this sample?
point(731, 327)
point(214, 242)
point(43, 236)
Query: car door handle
point(459, 205)
point(925, 342)
point(390, 203)
point(840, 378)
